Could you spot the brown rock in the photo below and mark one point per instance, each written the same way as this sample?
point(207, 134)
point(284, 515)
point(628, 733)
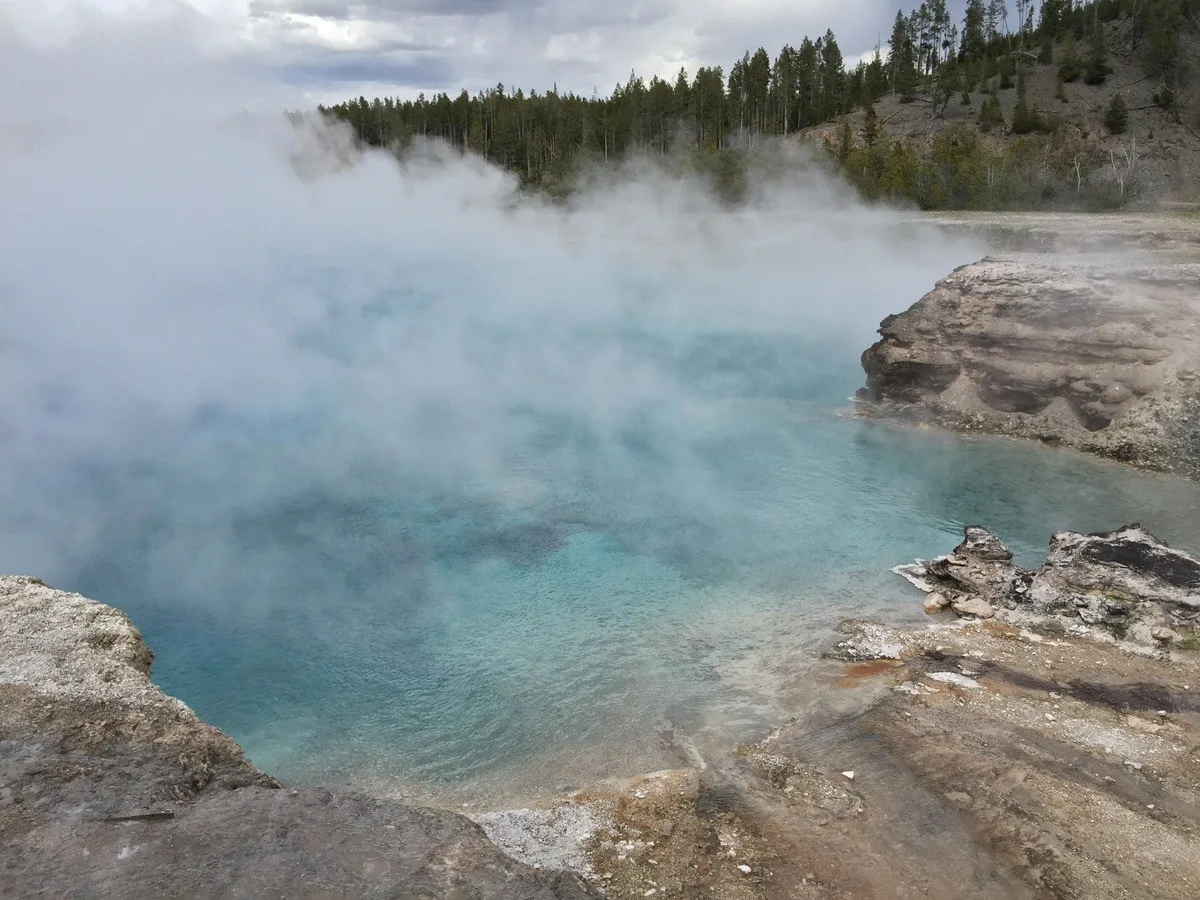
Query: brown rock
point(973, 606)
point(936, 603)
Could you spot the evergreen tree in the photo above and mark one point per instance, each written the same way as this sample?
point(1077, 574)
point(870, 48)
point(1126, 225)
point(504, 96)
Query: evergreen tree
point(997, 19)
point(902, 60)
point(1025, 117)
point(1117, 117)
point(870, 129)
point(833, 77)
point(1161, 25)
point(1008, 71)
point(844, 145)
point(875, 82)
point(1071, 66)
point(1052, 17)
point(974, 37)
point(1096, 67)
point(990, 114)
point(1046, 54)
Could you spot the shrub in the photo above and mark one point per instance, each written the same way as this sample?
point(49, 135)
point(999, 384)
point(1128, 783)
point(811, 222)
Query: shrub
point(990, 114)
point(1071, 66)
point(1117, 117)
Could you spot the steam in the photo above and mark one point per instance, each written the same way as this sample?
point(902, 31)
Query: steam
point(209, 321)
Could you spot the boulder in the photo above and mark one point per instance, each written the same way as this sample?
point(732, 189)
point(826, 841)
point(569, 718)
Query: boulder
point(973, 605)
point(936, 603)
point(1127, 583)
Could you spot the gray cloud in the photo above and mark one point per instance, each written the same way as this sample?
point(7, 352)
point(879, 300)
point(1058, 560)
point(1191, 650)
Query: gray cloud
point(584, 45)
point(406, 46)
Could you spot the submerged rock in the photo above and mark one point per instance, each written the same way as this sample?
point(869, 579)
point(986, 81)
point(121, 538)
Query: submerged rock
point(1127, 583)
point(109, 787)
point(1079, 353)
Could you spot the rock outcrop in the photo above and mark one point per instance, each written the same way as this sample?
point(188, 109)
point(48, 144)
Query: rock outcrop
point(1124, 585)
point(1075, 352)
point(111, 788)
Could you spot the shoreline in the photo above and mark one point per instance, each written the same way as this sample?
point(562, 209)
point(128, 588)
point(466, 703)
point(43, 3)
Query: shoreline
point(899, 770)
point(1089, 717)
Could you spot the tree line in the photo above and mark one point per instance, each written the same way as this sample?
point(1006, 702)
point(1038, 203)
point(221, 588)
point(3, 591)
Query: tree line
point(544, 137)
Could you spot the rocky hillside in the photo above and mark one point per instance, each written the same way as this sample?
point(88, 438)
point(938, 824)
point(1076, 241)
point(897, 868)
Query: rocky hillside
point(1156, 158)
point(110, 788)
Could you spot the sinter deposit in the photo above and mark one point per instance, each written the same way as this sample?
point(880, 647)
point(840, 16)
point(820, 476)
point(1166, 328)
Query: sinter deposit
point(1075, 352)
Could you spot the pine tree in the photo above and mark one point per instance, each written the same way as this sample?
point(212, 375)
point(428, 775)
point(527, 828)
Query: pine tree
point(1071, 66)
point(1117, 117)
point(1025, 117)
point(1008, 68)
point(990, 114)
point(1163, 22)
point(870, 129)
point(845, 141)
point(1046, 54)
point(901, 60)
point(1051, 17)
point(974, 38)
point(1096, 68)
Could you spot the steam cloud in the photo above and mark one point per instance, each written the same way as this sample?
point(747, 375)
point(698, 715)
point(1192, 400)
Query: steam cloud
point(208, 322)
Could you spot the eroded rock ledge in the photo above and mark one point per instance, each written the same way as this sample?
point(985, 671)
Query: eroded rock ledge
point(1124, 586)
point(1100, 356)
point(110, 788)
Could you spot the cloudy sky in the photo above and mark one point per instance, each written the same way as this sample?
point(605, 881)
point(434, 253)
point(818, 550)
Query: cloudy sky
point(330, 49)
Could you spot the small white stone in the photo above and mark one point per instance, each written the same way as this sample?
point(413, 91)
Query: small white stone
point(744, 869)
point(849, 775)
point(954, 678)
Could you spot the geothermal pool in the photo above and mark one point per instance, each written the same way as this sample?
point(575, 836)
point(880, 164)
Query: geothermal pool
point(417, 485)
point(440, 646)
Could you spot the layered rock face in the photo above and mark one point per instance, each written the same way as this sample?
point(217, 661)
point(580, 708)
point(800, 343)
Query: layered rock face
point(1124, 585)
point(111, 788)
point(1098, 356)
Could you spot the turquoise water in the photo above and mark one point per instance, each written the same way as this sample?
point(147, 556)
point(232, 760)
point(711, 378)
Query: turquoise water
point(413, 485)
point(437, 644)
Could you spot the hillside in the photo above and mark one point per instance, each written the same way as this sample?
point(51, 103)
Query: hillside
point(1157, 156)
point(897, 122)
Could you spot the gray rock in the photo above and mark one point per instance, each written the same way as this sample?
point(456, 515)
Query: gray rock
point(973, 606)
point(114, 789)
point(1126, 582)
point(866, 641)
point(1094, 354)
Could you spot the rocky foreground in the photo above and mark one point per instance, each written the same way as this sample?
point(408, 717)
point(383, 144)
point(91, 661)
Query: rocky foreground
point(1097, 351)
point(110, 788)
point(1039, 737)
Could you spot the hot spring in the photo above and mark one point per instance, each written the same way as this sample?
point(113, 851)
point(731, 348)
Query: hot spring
point(417, 484)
